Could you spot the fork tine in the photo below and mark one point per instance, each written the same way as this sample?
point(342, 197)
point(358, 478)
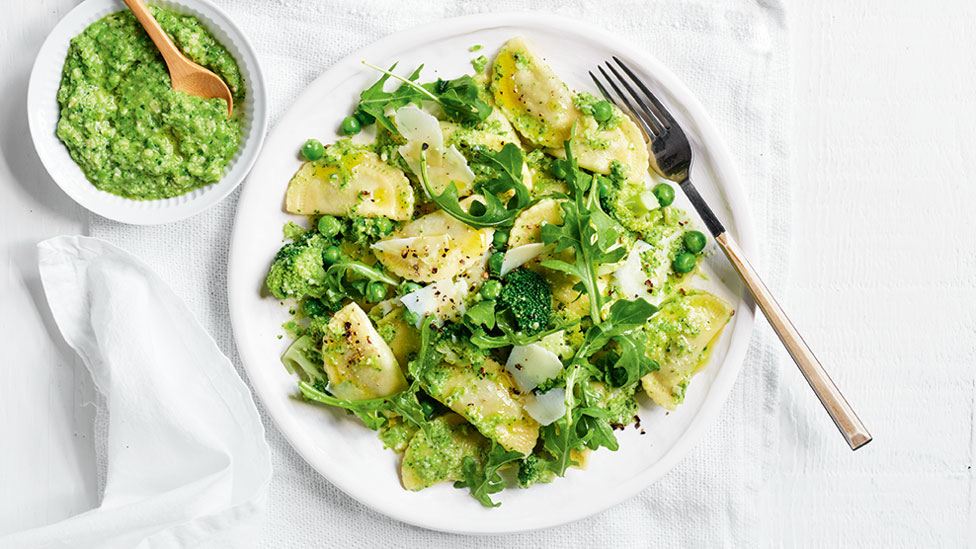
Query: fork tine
point(662, 113)
point(603, 90)
point(662, 122)
point(650, 125)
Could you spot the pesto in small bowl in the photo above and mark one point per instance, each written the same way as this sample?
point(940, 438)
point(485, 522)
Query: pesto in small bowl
point(128, 130)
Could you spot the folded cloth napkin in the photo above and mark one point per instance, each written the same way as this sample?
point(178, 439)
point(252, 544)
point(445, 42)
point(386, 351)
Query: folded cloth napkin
point(187, 462)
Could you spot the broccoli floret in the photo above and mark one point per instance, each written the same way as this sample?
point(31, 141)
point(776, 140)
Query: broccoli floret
point(534, 469)
point(528, 298)
point(298, 269)
point(303, 358)
point(293, 231)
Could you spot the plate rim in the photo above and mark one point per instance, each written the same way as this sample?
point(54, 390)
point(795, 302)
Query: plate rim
point(731, 187)
point(141, 212)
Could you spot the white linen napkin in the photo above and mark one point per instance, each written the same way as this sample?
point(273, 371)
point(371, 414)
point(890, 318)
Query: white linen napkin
point(187, 462)
point(734, 55)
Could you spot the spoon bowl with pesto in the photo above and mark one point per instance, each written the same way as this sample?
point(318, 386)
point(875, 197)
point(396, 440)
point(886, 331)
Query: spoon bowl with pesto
point(114, 133)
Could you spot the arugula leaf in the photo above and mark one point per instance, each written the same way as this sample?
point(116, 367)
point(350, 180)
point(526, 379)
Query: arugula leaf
point(485, 480)
point(585, 426)
point(493, 213)
point(459, 98)
point(587, 230)
point(428, 357)
point(512, 337)
point(373, 101)
point(624, 316)
point(481, 314)
point(336, 272)
point(507, 165)
point(371, 411)
point(585, 423)
point(632, 363)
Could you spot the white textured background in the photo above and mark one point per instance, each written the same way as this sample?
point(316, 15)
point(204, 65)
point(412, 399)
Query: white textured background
point(877, 273)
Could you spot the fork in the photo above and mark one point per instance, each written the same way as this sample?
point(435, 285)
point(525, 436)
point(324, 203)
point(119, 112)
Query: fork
point(671, 157)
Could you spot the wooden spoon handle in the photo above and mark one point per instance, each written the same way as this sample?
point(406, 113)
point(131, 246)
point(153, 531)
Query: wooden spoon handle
point(175, 60)
point(830, 396)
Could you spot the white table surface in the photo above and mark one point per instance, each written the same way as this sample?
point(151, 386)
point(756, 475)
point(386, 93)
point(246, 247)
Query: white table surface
point(882, 283)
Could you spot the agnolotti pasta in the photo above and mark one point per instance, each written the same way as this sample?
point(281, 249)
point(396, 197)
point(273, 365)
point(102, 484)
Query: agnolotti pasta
point(357, 183)
point(546, 114)
point(433, 247)
point(358, 362)
point(485, 395)
point(680, 335)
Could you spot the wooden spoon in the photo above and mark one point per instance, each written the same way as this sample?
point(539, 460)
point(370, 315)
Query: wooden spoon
point(185, 75)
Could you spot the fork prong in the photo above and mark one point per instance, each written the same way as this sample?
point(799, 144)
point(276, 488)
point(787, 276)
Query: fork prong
point(603, 90)
point(650, 125)
point(660, 110)
point(637, 98)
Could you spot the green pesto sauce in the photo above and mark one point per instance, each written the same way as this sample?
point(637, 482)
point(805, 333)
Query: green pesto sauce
point(128, 130)
point(437, 454)
point(585, 103)
point(396, 434)
point(479, 63)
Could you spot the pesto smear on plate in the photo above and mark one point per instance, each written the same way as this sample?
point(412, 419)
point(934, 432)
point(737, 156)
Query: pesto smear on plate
point(128, 130)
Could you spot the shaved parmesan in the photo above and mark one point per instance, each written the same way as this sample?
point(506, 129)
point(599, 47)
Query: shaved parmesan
point(444, 300)
point(444, 164)
point(547, 407)
point(532, 364)
point(516, 257)
point(639, 278)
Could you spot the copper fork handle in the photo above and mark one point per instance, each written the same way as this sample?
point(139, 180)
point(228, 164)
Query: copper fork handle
point(830, 396)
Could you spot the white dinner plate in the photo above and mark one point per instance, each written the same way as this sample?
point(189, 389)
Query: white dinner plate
point(43, 113)
point(337, 445)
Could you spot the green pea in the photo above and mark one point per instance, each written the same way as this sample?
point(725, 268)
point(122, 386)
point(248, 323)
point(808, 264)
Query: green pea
point(411, 318)
point(495, 263)
point(410, 287)
point(359, 286)
point(384, 225)
point(375, 292)
point(313, 307)
point(603, 186)
point(684, 263)
point(558, 168)
point(694, 241)
point(332, 254)
point(602, 111)
point(329, 226)
point(664, 194)
point(350, 125)
point(499, 239)
point(491, 290)
point(427, 408)
point(313, 149)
